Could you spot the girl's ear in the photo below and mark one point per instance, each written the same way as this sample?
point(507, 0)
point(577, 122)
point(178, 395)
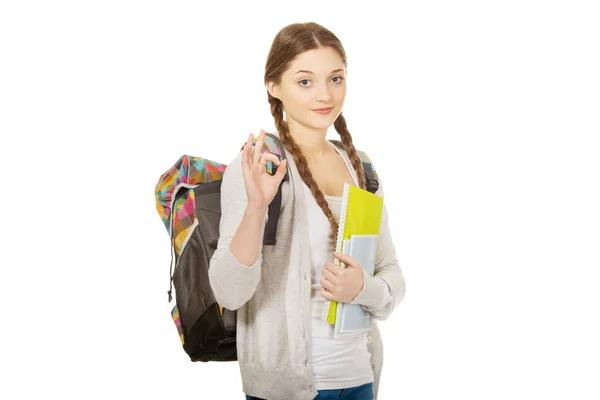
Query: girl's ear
point(273, 89)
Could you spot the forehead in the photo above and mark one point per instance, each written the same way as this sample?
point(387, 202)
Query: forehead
point(319, 61)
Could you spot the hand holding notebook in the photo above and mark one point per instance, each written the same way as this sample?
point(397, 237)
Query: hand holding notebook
point(352, 318)
point(360, 215)
point(348, 284)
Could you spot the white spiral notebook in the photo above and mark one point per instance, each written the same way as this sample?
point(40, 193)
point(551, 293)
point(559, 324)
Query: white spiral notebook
point(352, 318)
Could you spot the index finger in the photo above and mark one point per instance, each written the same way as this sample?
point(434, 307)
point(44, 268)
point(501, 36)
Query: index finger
point(246, 152)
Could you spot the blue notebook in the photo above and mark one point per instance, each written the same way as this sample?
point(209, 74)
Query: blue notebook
point(352, 318)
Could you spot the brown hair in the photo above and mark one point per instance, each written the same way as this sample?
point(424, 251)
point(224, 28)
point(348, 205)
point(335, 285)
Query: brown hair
point(289, 42)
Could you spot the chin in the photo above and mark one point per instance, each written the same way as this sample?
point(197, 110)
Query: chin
point(323, 124)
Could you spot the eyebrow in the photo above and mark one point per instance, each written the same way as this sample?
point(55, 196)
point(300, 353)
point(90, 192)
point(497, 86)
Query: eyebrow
point(310, 72)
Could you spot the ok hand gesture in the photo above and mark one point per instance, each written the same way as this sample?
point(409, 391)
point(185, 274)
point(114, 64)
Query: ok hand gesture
point(261, 187)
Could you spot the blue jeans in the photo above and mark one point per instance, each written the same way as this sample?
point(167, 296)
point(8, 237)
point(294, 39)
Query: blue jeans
point(362, 392)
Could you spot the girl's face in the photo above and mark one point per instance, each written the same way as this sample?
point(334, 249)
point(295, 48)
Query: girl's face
point(315, 79)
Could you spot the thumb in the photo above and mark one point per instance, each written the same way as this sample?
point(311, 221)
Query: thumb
point(281, 170)
point(347, 260)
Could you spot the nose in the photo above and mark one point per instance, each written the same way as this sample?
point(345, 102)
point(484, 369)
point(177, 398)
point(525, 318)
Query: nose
point(323, 93)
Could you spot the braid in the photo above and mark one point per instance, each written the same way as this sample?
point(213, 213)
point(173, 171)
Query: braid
point(302, 164)
point(342, 129)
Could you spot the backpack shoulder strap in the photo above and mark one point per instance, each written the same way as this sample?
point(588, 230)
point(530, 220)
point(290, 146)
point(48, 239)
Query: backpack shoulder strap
point(273, 145)
point(372, 181)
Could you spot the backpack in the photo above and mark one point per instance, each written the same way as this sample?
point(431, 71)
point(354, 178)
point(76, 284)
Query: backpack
point(188, 200)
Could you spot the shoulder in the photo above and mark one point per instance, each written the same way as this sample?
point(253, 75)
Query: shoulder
point(233, 173)
point(364, 157)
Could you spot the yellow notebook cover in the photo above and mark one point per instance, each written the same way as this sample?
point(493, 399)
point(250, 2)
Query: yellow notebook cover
point(360, 214)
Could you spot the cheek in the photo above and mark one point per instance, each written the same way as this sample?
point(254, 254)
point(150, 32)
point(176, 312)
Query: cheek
point(295, 101)
point(340, 94)
point(303, 100)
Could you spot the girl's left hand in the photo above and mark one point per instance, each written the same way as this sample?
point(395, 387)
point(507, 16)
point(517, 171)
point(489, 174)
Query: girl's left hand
point(342, 285)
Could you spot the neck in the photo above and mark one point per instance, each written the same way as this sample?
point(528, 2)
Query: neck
point(312, 142)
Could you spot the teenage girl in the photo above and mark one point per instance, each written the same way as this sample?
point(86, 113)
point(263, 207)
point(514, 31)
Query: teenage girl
point(306, 78)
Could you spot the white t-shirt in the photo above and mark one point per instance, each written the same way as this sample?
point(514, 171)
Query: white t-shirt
point(337, 362)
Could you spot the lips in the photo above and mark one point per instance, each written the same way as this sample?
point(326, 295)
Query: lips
point(323, 109)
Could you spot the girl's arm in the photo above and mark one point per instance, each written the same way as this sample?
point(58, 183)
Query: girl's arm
point(235, 267)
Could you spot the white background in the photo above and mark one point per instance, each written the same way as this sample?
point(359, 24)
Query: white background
point(482, 119)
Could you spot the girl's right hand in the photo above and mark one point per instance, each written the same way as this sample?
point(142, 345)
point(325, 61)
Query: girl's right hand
point(261, 187)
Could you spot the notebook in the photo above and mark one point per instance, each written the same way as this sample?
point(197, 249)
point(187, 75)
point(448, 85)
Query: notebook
point(360, 214)
point(352, 318)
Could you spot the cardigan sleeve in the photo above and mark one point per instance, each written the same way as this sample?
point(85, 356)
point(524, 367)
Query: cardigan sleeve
point(383, 291)
point(233, 284)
